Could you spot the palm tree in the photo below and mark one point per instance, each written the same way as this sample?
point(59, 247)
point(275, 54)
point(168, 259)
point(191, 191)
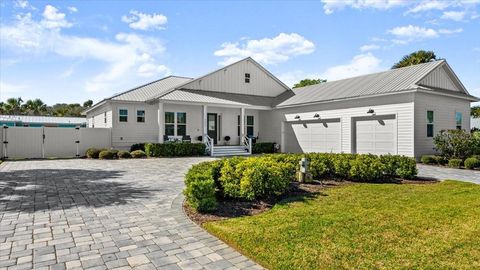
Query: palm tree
point(35, 107)
point(2, 108)
point(13, 106)
point(416, 58)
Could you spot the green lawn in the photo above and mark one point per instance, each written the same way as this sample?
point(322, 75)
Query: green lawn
point(365, 226)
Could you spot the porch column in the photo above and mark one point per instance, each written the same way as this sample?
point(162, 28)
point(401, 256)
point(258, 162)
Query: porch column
point(282, 137)
point(205, 127)
point(160, 120)
point(242, 123)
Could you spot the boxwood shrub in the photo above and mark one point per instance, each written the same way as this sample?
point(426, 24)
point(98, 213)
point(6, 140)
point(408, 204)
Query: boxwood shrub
point(263, 148)
point(93, 152)
point(107, 154)
point(200, 187)
point(124, 154)
point(455, 163)
point(138, 154)
point(367, 168)
point(472, 163)
point(174, 149)
point(428, 159)
point(137, 146)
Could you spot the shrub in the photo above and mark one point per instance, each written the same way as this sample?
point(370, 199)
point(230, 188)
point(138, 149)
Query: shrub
point(319, 165)
point(174, 149)
point(137, 146)
point(367, 168)
point(472, 163)
point(406, 168)
point(440, 160)
point(428, 159)
point(457, 144)
point(138, 154)
point(92, 152)
point(123, 154)
point(263, 148)
point(230, 178)
point(200, 187)
point(455, 163)
point(107, 154)
point(341, 165)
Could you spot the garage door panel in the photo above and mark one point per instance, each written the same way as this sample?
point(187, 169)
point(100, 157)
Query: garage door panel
point(318, 137)
point(376, 136)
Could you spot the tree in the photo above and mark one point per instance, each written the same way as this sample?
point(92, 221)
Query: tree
point(416, 58)
point(475, 112)
point(88, 103)
point(35, 107)
point(307, 82)
point(13, 106)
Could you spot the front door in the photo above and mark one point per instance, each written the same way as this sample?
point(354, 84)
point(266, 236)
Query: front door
point(212, 126)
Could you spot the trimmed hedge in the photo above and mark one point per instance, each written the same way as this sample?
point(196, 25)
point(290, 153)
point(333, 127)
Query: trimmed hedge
point(174, 149)
point(428, 159)
point(269, 175)
point(93, 152)
point(137, 146)
point(263, 148)
point(107, 154)
point(472, 163)
point(138, 154)
point(455, 163)
point(124, 154)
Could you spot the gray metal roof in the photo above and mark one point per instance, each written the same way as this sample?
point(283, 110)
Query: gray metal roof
point(42, 119)
point(185, 95)
point(372, 84)
point(150, 90)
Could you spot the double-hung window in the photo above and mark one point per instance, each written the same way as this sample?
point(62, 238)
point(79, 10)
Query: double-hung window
point(175, 123)
point(249, 124)
point(123, 115)
point(458, 120)
point(247, 77)
point(105, 117)
point(430, 119)
point(141, 116)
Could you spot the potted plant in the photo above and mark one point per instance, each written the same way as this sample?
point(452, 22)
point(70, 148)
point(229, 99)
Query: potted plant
point(200, 138)
point(227, 140)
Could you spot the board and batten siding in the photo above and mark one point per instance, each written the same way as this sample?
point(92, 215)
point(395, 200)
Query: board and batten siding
point(231, 79)
point(401, 105)
point(444, 109)
point(439, 78)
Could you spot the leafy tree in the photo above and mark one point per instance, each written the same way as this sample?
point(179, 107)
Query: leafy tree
point(416, 58)
point(88, 103)
point(456, 143)
point(307, 82)
point(475, 112)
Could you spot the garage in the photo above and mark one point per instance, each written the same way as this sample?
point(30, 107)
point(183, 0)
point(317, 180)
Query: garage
point(375, 135)
point(318, 136)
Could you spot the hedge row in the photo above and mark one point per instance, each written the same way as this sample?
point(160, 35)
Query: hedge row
point(174, 149)
point(471, 163)
point(96, 153)
point(269, 175)
point(263, 148)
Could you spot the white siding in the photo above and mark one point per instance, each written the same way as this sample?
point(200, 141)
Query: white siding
point(439, 78)
point(231, 79)
point(444, 109)
point(401, 105)
point(96, 117)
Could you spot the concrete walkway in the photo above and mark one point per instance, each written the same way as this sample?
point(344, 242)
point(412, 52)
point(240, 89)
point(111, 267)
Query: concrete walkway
point(442, 173)
point(96, 214)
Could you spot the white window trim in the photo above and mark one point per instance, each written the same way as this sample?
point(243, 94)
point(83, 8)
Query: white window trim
point(427, 123)
point(461, 124)
point(175, 122)
point(144, 115)
point(118, 119)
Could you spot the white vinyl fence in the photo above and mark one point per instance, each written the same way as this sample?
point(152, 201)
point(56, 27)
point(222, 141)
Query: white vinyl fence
point(50, 142)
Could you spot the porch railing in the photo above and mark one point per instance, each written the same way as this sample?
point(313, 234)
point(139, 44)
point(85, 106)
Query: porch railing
point(209, 145)
point(247, 141)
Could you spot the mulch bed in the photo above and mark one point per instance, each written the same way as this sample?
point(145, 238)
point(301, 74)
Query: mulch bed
point(296, 192)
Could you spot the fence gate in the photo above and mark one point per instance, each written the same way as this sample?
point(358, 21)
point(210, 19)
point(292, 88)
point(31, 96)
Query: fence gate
point(51, 142)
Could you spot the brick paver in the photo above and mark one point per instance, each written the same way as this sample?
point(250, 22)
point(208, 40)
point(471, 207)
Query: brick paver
point(95, 214)
point(442, 173)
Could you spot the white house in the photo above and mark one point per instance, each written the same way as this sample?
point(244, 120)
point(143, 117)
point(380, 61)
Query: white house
point(396, 111)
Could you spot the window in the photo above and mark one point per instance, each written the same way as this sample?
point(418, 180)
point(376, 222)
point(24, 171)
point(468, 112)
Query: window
point(105, 117)
point(123, 115)
point(458, 120)
point(250, 126)
point(181, 124)
point(430, 120)
point(141, 116)
point(175, 123)
point(247, 77)
point(169, 123)
point(238, 126)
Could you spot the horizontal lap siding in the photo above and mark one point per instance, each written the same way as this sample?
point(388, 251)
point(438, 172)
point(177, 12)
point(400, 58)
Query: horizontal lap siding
point(400, 105)
point(444, 109)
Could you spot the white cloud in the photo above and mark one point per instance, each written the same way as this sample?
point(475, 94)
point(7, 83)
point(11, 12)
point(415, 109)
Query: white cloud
point(359, 65)
point(430, 5)
point(54, 19)
point(410, 33)
point(143, 21)
point(267, 50)
point(454, 15)
point(22, 4)
point(450, 31)
point(369, 47)
point(122, 57)
point(329, 6)
point(73, 9)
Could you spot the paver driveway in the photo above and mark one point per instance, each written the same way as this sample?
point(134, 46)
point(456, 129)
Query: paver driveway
point(103, 214)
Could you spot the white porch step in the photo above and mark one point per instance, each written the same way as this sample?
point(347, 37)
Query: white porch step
point(219, 151)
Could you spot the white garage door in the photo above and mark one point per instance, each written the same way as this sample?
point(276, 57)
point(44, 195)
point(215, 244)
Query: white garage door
point(318, 137)
point(376, 136)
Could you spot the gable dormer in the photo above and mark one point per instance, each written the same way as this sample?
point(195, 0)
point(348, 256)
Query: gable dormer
point(243, 77)
point(442, 77)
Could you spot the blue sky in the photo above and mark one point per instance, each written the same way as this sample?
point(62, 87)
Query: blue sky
point(71, 51)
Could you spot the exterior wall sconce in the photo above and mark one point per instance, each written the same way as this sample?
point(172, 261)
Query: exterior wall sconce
point(316, 115)
point(371, 111)
point(297, 116)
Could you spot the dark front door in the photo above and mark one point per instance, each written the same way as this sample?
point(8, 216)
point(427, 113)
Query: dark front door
point(212, 126)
